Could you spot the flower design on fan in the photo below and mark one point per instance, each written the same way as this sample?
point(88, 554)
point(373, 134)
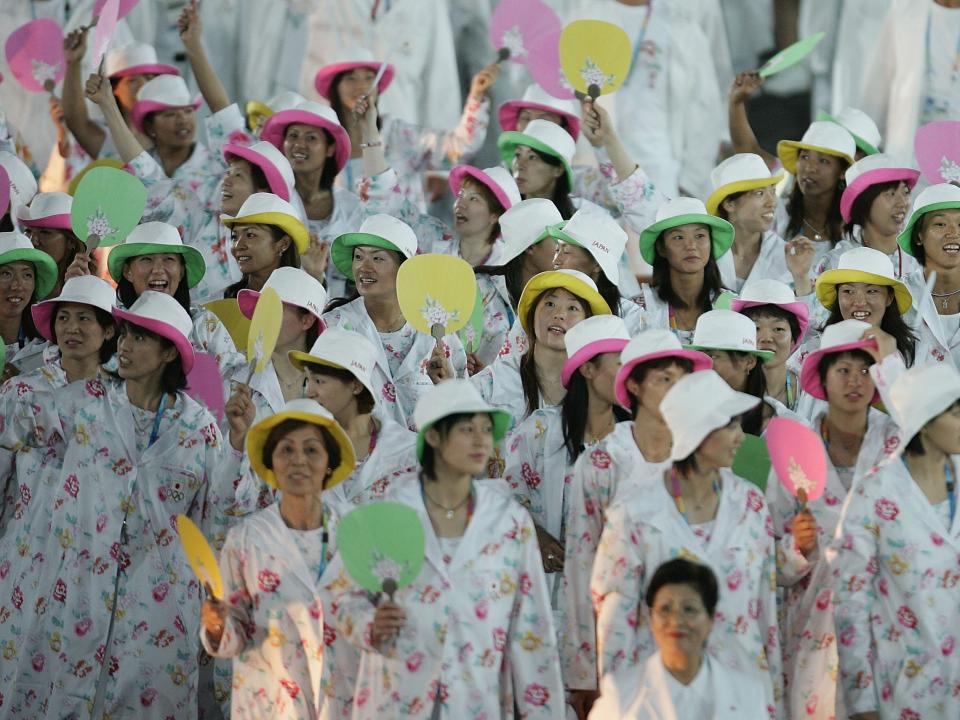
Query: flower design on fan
point(434, 313)
point(43, 71)
point(99, 224)
point(386, 568)
point(949, 170)
point(258, 349)
point(512, 39)
point(591, 74)
point(799, 478)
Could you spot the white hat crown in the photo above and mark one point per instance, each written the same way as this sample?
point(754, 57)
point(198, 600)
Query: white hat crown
point(739, 168)
point(843, 333)
point(46, 204)
point(869, 163)
point(324, 111)
point(537, 95)
point(308, 406)
point(726, 330)
point(831, 136)
point(160, 307)
point(392, 230)
point(675, 207)
point(594, 329)
point(354, 54)
point(450, 397)
point(23, 185)
point(14, 240)
point(285, 100)
point(921, 393)
point(504, 180)
point(88, 290)
point(767, 291)
point(349, 350)
point(130, 55)
point(599, 234)
point(154, 233)
point(936, 194)
point(277, 159)
point(265, 202)
point(859, 123)
point(647, 342)
point(867, 260)
point(523, 224)
point(298, 287)
point(166, 90)
point(553, 136)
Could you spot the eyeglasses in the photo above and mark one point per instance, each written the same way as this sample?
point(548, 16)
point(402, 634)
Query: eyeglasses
point(686, 613)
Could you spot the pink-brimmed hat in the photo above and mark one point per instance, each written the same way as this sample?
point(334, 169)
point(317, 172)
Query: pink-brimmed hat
point(274, 165)
point(873, 170)
point(315, 115)
point(136, 59)
point(591, 337)
point(162, 315)
point(653, 344)
point(497, 179)
point(161, 93)
point(295, 287)
point(839, 337)
point(47, 210)
point(82, 290)
point(536, 98)
point(773, 292)
point(347, 60)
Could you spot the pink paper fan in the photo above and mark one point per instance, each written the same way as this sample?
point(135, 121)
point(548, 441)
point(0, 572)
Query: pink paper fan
point(517, 25)
point(106, 24)
point(125, 7)
point(937, 146)
point(798, 457)
point(544, 66)
point(35, 55)
point(204, 384)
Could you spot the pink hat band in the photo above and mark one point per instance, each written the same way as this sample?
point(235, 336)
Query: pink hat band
point(165, 330)
point(874, 177)
point(810, 372)
point(53, 222)
point(278, 186)
point(276, 127)
point(145, 107)
point(461, 171)
point(323, 82)
point(701, 361)
point(509, 114)
point(798, 309)
point(588, 352)
point(148, 69)
point(247, 301)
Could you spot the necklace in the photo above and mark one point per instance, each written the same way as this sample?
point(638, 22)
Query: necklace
point(602, 434)
point(449, 511)
point(945, 302)
point(678, 496)
point(817, 234)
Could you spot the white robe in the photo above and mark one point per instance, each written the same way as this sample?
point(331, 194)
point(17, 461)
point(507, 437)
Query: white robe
point(934, 344)
point(770, 264)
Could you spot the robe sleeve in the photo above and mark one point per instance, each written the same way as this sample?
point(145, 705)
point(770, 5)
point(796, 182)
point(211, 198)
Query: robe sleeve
point(239, 621)
point(435, 149)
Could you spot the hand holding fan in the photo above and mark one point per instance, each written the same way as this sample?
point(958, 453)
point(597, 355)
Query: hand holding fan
point(382, 546)
point(436, 293)
point(124, 7)
point(200, 555)
point(264, 331)
point(937, 146)
point(595, 57)
point(798, 459)
point(34, 53)
point(471, 333)
point(752, 461)
point(236, 323)
point(517, 25)
point(107, 205)
point(790, 56)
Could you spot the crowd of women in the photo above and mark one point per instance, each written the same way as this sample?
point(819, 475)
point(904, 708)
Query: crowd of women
point(589, 552)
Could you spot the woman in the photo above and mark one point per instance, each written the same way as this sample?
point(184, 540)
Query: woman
point(781, 321)
point(339, 370)
point(303, 300)
point(371, 257)
point(137, 453)
point(683, 246)
point(489, 644)
point(265, 235)
point(680, 680)
point(730, 340)
point(700, 510)
point(896, 611)
point(26, 275)
point(744, 194)
point(46, 221)
point(932, 236)
point(633, 454)
point(271, 564)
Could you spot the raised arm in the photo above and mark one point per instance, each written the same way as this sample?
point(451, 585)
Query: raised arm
point(99, 91)
point(741, 133)
point(191, 34)
point(600, 131)
point(88, 133)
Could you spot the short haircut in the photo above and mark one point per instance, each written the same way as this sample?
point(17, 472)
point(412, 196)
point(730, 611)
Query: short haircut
point(104, 320)
point(684, 572)
point(831, 359)
point(284, 428)
point(443, 427)
point(365, 401)
point(640, 371)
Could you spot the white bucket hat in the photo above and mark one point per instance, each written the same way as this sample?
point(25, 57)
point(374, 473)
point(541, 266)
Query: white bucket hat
point(542, 136)
point(496, 179)
point(727, 330)
point(767, 291)
point(861, 126)
point(591, 337)
point(383, 231)
point(535, 97)
point(454, 397)
point(653, 344)
point(295, 287)
point(697, 405)
point(840, 337)
point(136, 59)
point(873, 170)
point(674, 212)
point(162, 314)
point(864, 265)
point(822, 136)
point(84, 290)
point(156, 237)
point(738, 173)
point(272, 163)
point(164, 91)
point(268, 209)
point(344, 349)
point(525, 224)
point(47, 210)
point(922, 393)
point(593, 229)
point(943, 196)
point(23, 185)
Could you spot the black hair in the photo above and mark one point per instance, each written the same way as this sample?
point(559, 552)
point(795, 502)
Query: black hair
point(680, 571)
point(279, 431)
point(365, 401)
point(329, 172)
point(916, 242)
point(173, 378)
point(512, 274)
point(573, 413)
point(289, 258)
point(834, 226)
point(722, 211)
point(751, 421)
point(128, 296)
point(915, 444)
point(104, 319)
point(73, 246)
point(352, 293)
point(338, 106)
point(640, 371)
point(778, 313)
point(891, 323)
point(661, 278)
point(860, 210)
point(443, 426)
point(831, 359)
point(6, 223)
point(493, 204)
point(609, 292)
point(689, 464)
point(561, 188)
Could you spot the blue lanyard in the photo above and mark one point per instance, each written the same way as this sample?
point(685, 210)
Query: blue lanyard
point(951, 485)
point(325, 537)
point(155, 432)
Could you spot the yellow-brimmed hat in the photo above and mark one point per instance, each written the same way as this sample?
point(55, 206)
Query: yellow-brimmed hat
point(821, 136)
point(311, 412)
point(269, 209)
point(863, 265)
point(573, 281)
point(736, 174)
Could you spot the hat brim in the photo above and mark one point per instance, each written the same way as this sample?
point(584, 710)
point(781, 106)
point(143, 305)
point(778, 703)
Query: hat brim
point(257, 440)
point(509, 115)
point(903, 239)
point(165, 330)
point(701, 361)
point(764, 355)
point(300, 359)
point(144, 107)
point(43, 314)
point(192, 259)
point(278, 186)
point(501, 422)
point(146, 69)
point(725, 191)
point(276, 127)
point(868, 148)
point(43, 265)
point(247, 302)
point(341, 252)
point(52, 222)
point(828, 281)
point(789, 150)
point(328, 73)
point(256, 110)
point(588, 352)
point(290, 225)
point(458, 173)
point(874, 177)
point(508, 142)
point(552, 280)
point(718, 416)
point(810, 372)
point(721, 233)
point(798, 309)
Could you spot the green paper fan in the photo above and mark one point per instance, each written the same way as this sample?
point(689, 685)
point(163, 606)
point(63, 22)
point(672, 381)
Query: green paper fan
point(723, 300)
point(752, 461)
point(108, 204)
point(382, 546)
point(790, 56)
point(471, 333)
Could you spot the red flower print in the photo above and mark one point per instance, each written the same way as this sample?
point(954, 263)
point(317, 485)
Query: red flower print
point(908, 714)
point(886, 509)
point(525, 584)
point(823, 599)
point(4, 569)
point(60, 590)
point(95, 388)
point(329, 635)
point(37, 662)
point(82, 627)
point(25, 494)
point(439, 691)
point(147, 697)
point(948, 645)
point(121, 467)
point(268, 581)
point(936, 539)
point(160, 591)
point(389, 392)
point(82, 669)
point(906, 617)
point(72, 485)
point(414, 661)
point(536, 695)
point(17, 597)
point(530, 476)
point(363, 696)
point(890, 444)
point(499, 639)
point(600, 459)
point(481, 609)
point(734, 579)
point(754, 500)
point(293, 690)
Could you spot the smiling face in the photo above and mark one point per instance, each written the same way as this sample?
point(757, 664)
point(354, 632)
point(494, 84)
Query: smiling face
point(174, 127)
point(818, 173)
point(864, 301)
point(17, 284)
point(680, 624)
point(255, 249)
point(375, 271)
point(940, 237)
point(529, 114)
point(720, 447)
point(753, 210)
point(161, 272)
point(300, 461)
point(307, 147)
point(237, 186)
point(466, 446)
point(141, 355)
point(78, 332)
point(847, 383)
point(889, 210)
point(686, 248)
point(557, 311)
point(472, 213)
point(535, 177)
point(353, 85)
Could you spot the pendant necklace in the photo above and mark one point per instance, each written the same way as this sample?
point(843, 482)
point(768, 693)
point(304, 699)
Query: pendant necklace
point(945, 301)
point(817, 234)
point(448, 511)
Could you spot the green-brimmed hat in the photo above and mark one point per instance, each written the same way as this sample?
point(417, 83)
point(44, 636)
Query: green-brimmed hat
point(861, 126)
point(727, 330)
point(382, 231)
point(944, 196)
point(152, 238)
point(455, 397)
point(685, 211)
point(543, 136)
point(15, 246)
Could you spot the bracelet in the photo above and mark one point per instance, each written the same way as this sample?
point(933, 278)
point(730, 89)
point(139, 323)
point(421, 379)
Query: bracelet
point(377, 143)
